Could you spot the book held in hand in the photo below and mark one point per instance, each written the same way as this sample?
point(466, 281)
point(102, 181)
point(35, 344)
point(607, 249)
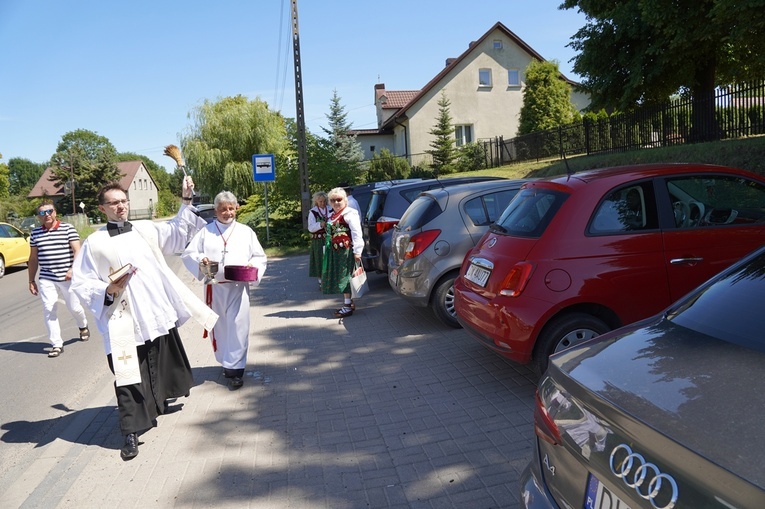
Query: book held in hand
point(121, 272)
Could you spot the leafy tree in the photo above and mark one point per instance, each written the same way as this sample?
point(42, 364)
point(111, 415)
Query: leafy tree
point(346, 148)
point(5, 181)
point(385, 166)
point(223, 138)
point(546, 99)
point(87, 158)
point(639, 51)
point(24, 174)
point(444, 153)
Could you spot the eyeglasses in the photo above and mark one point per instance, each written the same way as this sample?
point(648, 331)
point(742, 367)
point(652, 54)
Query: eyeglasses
point(48, 212)
point(336, 200)
point(116, 202)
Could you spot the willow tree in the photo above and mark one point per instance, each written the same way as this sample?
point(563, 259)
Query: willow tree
point(222, 139)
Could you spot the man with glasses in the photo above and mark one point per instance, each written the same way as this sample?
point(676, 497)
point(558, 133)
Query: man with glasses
point(53, 247)
point(138, 302)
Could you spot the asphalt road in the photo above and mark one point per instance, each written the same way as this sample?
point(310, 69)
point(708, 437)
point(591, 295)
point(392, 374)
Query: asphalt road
point(37, 391)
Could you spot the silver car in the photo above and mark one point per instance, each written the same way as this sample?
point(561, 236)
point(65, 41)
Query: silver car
point(433, 236)
point(664, 413)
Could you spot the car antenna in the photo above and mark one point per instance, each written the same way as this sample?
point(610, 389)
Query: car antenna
point(565, 161)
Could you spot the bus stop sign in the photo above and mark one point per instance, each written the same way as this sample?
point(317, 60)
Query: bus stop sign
point(263, 168)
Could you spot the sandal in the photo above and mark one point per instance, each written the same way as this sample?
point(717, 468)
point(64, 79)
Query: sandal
point(343, 312)
point(84, 334)
point(56, 351)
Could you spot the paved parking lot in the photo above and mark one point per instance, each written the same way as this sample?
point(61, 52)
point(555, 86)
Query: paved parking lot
point(387, 408)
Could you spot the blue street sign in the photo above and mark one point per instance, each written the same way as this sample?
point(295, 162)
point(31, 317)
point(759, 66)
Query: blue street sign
point(263, 168)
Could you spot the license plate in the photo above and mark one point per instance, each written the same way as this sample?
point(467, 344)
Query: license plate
point(477, 275)
point(600, 497)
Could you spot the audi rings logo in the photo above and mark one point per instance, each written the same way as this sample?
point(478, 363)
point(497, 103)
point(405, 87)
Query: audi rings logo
point(645, 478)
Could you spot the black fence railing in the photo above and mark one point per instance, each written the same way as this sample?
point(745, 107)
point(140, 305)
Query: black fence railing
point(729, 113)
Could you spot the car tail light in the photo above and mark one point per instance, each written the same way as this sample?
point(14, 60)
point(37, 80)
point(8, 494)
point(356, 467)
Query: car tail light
point(516, 279)
point(544, 425)
point(420, 242)
point(384, 224)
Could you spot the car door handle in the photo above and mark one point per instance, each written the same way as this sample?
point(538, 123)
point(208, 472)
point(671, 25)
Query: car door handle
point(685, 261)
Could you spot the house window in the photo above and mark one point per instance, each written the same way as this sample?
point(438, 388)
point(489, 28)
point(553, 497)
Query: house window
point(463, 134)
point(497, 44)
point(484, 77)
point(513, 78)
point(135, 184)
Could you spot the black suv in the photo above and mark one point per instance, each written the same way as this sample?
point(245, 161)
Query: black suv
point(386, 207)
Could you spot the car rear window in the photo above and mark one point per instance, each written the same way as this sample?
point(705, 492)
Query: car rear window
point(422, 211)
point(376, 206)
point(529, 213)
point(730, 309)
point(484, 210)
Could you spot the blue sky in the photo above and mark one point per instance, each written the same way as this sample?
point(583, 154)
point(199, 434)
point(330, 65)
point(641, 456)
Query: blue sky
point(133, 70)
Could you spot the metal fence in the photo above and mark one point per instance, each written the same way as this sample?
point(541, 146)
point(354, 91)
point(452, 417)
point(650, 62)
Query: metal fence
point(732, 112)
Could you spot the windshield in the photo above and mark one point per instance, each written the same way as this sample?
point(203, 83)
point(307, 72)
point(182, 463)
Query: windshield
point(531, 211)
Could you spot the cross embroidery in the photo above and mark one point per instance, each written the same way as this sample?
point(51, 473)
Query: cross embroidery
point(124, 357)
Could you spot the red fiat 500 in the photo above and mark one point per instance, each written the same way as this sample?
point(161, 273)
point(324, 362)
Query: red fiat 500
point(578, 255)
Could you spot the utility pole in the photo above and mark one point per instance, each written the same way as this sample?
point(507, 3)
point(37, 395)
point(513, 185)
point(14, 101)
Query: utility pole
point(305, 195)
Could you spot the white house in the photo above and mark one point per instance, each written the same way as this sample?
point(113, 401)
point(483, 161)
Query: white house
point(136, 180)
point(484, 86)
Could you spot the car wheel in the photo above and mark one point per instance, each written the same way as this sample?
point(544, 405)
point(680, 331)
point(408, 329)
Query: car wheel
point(442, 302)
point(2, 266)
point(564, 332)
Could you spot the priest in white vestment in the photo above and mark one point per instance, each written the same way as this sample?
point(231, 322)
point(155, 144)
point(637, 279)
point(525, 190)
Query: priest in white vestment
point(138, 312)
point(227, 243)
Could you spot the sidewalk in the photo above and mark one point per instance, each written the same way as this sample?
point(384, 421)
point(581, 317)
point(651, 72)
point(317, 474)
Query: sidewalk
point(387, 408)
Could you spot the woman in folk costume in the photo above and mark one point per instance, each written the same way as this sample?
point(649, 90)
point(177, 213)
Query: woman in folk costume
point(344, 244)
point(227, 243)
point(317, 219)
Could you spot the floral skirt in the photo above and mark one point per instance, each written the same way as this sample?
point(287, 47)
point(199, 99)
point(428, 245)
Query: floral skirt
point(317, 257)
point(338, 266)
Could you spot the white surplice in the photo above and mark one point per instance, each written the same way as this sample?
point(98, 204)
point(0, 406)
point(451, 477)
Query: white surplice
point(228, 244)
point(156, 297)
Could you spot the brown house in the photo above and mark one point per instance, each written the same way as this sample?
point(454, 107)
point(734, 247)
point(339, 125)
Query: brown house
point(136, 180)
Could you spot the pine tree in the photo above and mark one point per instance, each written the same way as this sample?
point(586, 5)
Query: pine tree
point(348, 151)
point(444, 152)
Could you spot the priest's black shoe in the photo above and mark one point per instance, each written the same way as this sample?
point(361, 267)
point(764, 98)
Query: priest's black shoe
point(130, 449)
point(236, 382)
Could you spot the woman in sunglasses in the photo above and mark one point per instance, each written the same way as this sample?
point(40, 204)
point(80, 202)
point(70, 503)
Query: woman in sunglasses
point(344, 244)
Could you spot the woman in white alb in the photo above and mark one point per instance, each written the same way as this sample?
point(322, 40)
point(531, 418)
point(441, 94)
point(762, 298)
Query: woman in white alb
point(227, 242)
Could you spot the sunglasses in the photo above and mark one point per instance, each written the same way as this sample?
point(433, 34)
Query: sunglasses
point(336, 200)
point(48, 212)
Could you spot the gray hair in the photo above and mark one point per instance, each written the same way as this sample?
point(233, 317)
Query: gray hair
point(319, 194)
point(224, 197)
